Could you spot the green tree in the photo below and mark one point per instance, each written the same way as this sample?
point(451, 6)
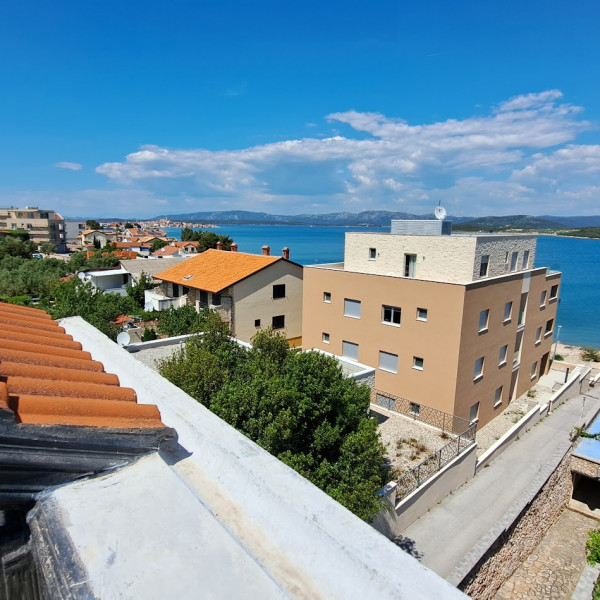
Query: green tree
point(205, 239)
point(149, 334)
point(137, 289)
point(182, 320)
point(158, 244)
point(14, 246)
point(93, 224)
point(48, 248)
point(128, 225)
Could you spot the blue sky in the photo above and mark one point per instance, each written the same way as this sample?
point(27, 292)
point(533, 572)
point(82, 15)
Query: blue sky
point(137, 109)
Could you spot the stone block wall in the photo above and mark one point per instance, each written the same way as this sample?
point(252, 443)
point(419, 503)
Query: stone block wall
point(585, 467)
point(516, 543)
point(500, 250)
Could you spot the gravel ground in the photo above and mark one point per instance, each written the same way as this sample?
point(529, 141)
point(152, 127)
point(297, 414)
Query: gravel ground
point(149, 356)
point(418, 440)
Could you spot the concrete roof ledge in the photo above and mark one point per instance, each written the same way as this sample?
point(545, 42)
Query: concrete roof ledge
point(217, 513)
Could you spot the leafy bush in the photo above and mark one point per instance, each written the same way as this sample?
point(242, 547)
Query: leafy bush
point(149, 335)
point(590, 354)
point(559, 357)
point(296, 405)
point(592, 546)
point(182, 320)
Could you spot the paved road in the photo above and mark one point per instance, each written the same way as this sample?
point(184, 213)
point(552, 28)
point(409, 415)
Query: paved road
point(454, 534)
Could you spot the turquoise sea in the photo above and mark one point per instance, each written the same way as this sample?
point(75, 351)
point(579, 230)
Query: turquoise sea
point(578, 259)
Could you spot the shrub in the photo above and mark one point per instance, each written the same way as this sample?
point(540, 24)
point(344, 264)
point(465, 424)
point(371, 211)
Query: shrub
point(590, 354)
point(592, 546)
point(149, 335)
point(559, 357)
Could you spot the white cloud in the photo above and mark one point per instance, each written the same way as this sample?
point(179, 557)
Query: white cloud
point(521, 157)
point(71, 166)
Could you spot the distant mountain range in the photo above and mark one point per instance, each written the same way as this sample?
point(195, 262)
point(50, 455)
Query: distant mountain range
point(376, 218)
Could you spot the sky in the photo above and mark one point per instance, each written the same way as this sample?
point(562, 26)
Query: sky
point(139, 109)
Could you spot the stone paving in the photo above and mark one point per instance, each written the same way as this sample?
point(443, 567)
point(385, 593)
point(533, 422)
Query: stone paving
point(553, 569)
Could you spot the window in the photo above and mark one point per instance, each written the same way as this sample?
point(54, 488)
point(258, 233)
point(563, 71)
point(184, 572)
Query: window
point(216, 299)
point(478, 371)
point(554, 292)
point(483, 265)
point(513, 261)
point(256, 322)
point(522, 310)
point(327, 297)
point(278, 322)
point(484, 316)
point(526, 259)
point(543, 299)
point(203, 299)
point(372, 253)
point(410, 263)
point(325, 338)
point(418, 363)
point(279, 291)
point(414, 408)
point(388, 362)
point(507, 311)
point(421, 314)
point(549, 326)
point(534, 370)
point(352, 308)
point(538, 335)
point(390, 315)
point(350, 350)
point(502, 356)
point(474, 412)
point(498, 396)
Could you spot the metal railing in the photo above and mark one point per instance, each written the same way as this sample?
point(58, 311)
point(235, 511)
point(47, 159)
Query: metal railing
point(420, 412)
point(435, 462)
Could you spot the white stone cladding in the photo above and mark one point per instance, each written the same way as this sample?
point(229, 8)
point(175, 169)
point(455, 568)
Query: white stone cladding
point(448, 258)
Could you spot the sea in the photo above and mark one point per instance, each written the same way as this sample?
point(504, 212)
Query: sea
point(578, 259)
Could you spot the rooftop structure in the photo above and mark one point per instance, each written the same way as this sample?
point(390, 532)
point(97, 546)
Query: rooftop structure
point(460, 323)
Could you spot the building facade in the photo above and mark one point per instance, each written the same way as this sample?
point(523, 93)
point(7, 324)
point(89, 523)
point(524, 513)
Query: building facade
point(460, 323)
point(43, 226)
point(249, 291)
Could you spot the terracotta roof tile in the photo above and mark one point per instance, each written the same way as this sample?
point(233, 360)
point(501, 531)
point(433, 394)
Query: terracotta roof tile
point(46, 379)
point(215, 270)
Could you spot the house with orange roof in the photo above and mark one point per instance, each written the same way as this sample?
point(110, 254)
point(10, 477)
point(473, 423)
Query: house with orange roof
point(88, 236)
point(168, 252)
point(249, 291)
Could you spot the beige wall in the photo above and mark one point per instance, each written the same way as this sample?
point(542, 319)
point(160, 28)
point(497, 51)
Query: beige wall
point(493, 295)
point(253, 299)
point(436, 341)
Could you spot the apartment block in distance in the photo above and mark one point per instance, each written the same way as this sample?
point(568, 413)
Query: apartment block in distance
point(42, 225)
point(458, 322)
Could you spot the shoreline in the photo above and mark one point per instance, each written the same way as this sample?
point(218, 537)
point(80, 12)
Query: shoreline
point(572, 354)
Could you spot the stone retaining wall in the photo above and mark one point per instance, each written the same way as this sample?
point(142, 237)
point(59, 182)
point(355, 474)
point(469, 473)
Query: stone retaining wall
point(517, 542)
point(585, 467)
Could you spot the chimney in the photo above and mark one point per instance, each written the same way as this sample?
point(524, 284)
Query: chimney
point(266, 250)
point(233, 247)
point(219, 245)
point(286, 253)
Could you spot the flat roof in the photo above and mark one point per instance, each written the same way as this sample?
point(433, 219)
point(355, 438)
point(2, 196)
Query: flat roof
point(588, 448)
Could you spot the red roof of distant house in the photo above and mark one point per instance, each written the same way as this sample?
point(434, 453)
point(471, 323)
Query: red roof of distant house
point(46, 378)
point(166, 251)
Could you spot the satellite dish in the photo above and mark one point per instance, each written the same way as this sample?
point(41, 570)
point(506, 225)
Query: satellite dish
point(81, 275)
point(123, 339)
point(440, 213)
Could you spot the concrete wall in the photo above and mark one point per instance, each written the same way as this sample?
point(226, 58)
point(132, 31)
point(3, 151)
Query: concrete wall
point(393, 522)
point(253, 299)
point(500, 248)
point(435, 340)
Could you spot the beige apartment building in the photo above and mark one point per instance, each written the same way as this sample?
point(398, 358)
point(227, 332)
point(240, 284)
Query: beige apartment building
point(459, 322)
point(42, 225)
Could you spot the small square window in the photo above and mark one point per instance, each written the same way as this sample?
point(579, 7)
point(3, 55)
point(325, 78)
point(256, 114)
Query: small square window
point(478, 371)
point(498, 396)
point(554, 292)
point(414, 408)
point(256, 322)
point(421, 314)
point(325, 338)
point(279, 291)
point(372, 253)
point(484, 316)
point(278, 322)
point(390, 315)
point(543, 299)
point(507, 311)
point(502, 356)
point(418, 363)
point(534, 370)
point(350, 350)
point(327, 297)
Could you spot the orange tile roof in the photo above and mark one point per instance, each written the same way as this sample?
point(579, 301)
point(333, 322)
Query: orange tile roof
point(214, 270)
point(166, 251)
point(46, 378)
